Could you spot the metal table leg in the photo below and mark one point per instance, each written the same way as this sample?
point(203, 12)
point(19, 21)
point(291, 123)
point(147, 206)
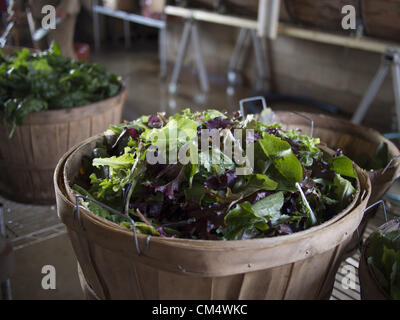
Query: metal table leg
point(259, 59)
point(127, 34)
point(396, 86)
point(237, 56)
point(181, 55)
point(162, 50)
point(2, 222)
point(371, 93)
point(96, 27)
point(6, 290)
point(5, 287)
point(391, 59)
point(239, 52)
point(199, 59)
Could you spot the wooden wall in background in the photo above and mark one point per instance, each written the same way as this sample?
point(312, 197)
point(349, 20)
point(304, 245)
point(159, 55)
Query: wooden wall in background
point(381, 18)
point(324, 14)
point(332, 74)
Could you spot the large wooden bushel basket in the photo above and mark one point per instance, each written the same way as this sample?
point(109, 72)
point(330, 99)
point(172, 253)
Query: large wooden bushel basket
point(28, 159)
point(298, 266)
point(369, 285)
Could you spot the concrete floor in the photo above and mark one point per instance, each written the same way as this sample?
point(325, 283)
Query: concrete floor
point(39, 239)
point(57, 252)
point(37, 234)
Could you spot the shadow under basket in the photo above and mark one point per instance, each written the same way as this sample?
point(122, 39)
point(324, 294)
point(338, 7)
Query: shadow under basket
point(298, 266)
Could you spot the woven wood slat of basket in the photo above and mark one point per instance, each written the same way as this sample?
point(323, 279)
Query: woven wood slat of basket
point(28, 159)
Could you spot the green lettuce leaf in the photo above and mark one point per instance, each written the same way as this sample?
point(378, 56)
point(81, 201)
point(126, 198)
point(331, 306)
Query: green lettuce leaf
point(255, 183)
point(282, 157)
point(172, 136)
point(383, 256)
point(342, 165)
point(245, 216)
point(122, 162)
point(211, 114)
point(269, 207)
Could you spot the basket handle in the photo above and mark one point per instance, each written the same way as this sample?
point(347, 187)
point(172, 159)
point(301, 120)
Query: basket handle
point(126, 216)
point(365, 210)
point(384, 210)
point(391, 136)
point(376, 204)
point(264, 103)
point(307, 118)
point(243, 101)
point(389, 164)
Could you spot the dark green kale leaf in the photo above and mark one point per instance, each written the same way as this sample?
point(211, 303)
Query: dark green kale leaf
point(383, 254)
point(246, 216)
point(32, 82)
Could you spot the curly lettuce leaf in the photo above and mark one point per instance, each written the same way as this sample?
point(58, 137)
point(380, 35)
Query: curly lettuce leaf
point(122, 162)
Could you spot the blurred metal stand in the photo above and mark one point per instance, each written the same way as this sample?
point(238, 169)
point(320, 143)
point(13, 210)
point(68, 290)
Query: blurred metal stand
point(390, 59)
point(265, 26)
point(238, 56)
point(6, 260)
point(6, 33)
point(189, 31)
point(6, 252)
point(135, 18)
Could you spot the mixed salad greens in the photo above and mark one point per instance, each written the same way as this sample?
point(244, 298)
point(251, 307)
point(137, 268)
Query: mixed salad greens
point(32, 82)
point(383, 254)
point(292, 184)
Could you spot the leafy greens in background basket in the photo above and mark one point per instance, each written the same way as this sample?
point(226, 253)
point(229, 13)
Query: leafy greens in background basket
point(208, 200)
point(383, 254)
point(32, 82)
point(375, 162)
